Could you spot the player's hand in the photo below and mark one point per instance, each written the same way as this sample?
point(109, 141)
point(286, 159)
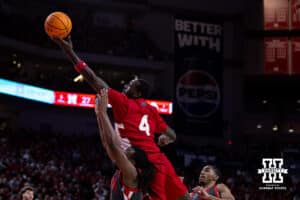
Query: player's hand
point(65, 45)
point(202, 193)
point(101, 101)
point(197, 188)
point(163, 140)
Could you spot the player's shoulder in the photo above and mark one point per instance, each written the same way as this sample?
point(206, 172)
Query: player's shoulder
point(221, 186)
point(113, 91)
point(152, 109)
point(143, 103)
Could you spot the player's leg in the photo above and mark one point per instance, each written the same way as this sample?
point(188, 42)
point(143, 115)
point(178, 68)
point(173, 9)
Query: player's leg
point(175, 189)
point(158, 186)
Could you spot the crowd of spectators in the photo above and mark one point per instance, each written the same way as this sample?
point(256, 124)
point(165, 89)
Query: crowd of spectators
point(58, 167)
point(76, 167)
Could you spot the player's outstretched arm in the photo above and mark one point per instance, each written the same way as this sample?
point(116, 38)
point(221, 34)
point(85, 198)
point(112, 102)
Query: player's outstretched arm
point(111, 143)
point(88, 74)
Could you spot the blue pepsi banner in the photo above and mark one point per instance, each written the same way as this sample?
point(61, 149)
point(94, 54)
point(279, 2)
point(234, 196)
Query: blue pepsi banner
point(198, 76)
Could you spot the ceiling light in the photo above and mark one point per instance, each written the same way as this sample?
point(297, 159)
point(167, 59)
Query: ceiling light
point(78, 78)
point(264, 101)
point(258, 126)
point(291, 130)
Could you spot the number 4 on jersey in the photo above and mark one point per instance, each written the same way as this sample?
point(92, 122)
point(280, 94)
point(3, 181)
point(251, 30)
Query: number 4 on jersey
point(144, 125)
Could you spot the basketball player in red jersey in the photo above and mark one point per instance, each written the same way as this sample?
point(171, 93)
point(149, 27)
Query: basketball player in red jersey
point(137, 122)
point(208, 188)
point(135, 172)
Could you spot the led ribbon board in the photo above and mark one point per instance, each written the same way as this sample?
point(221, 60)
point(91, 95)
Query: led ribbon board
point(65, 98)
point(26, 91)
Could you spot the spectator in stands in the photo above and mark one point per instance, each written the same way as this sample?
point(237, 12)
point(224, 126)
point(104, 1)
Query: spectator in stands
point(27, 193)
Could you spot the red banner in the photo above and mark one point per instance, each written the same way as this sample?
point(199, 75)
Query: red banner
point(295, 14)
point(164, 107)
point(276, 55)
point(88, 101)
point(276, 14)
point(74, 99)
point(296, 55)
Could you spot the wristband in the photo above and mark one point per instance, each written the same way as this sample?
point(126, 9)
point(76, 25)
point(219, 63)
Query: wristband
point(80, 66)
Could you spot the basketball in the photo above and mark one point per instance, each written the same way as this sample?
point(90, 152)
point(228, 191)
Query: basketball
point(58, 24)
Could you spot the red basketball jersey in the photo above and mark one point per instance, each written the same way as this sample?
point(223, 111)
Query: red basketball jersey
point(136, 121)
point(119, 191)
point(213, 191)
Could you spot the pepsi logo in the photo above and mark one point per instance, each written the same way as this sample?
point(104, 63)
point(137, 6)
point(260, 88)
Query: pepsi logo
point(198, 94)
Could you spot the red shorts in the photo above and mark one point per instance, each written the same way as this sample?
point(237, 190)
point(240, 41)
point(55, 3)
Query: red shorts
point(166, 185)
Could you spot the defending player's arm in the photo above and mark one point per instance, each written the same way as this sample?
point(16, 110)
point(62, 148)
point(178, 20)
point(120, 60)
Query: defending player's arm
point(81, 67)
point(111, 143)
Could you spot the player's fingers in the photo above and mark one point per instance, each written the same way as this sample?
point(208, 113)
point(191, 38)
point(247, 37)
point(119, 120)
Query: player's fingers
point(55, 39)
point(59, 41)
point(102, 93)
point(201, 191)
point(159, 143)
point(162, 142)
point(96, 100)
point(160, 139)
point(65, 43)
point(70, 41)
point(197, 188)
point(97, 103)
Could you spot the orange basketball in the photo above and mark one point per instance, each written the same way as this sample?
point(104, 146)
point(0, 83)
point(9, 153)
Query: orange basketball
point(58, 24)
